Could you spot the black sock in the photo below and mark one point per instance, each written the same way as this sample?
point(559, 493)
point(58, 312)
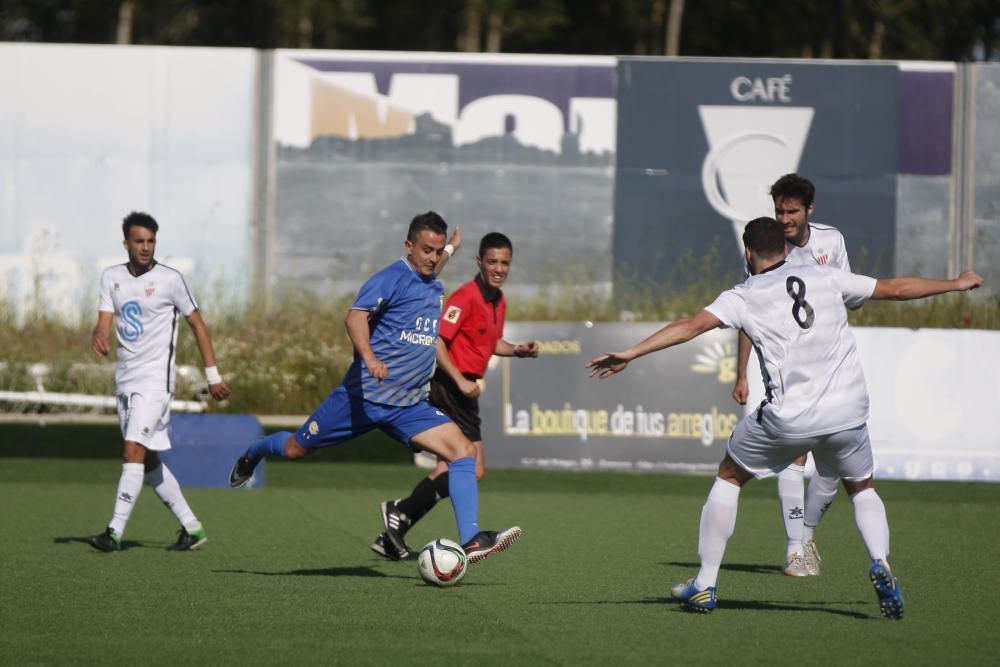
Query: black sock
point(423, 498)
point(441, 486)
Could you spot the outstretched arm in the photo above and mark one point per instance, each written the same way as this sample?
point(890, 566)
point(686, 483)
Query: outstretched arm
point(904, 289)
point(674, 333)
point(455, 241)
point(360, 335)
point(216, 386)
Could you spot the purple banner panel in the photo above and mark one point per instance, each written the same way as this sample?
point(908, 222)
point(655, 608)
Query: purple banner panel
point(925, 119)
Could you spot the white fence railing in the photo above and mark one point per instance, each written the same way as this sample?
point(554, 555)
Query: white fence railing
point(40, 396)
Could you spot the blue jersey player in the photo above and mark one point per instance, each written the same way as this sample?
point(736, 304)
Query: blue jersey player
point(393, 325)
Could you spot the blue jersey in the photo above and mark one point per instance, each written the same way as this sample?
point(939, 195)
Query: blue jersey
point(404, 308)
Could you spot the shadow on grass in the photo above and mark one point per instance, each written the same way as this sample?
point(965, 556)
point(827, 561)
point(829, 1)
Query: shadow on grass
point(757, 605)
point(357, 571)
point(771, 606)
point(752, 568)
point(754, 605)
point(126, 544)
point(659, 600)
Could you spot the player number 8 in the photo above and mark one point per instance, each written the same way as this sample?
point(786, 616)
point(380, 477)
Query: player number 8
point(796, 289)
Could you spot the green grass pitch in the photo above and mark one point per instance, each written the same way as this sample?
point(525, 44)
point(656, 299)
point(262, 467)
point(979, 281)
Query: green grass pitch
point(287, 578)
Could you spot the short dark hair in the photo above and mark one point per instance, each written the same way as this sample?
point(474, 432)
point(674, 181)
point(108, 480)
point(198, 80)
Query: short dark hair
point(494, 240)
point(430, 221)
point(765, 236)
point(793, 185)
point(136, 219)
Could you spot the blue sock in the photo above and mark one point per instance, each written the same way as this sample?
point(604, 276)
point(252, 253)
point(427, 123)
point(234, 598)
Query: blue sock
point(464, 491)
point(271, 445)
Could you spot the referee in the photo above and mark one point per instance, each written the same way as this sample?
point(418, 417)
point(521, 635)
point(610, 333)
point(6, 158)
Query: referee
point(471, 331)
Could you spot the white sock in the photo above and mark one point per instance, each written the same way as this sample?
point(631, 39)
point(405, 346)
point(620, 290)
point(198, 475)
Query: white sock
point(129, 487)
point(869, 514)
point(169, 491)
point(791, 494)
point(718, 519)
point(818, 500)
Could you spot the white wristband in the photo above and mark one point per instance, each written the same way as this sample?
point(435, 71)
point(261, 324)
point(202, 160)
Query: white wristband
point(450, 249)
point(212, 375)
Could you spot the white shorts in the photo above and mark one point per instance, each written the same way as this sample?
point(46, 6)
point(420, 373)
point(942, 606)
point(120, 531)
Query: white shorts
point(845, 454)
point(145, 417)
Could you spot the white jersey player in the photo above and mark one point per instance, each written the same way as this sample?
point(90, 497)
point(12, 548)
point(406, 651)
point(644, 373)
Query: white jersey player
point(146, 309)
point(824, 246)
point(143, 299)
point(817, 401)
point(806, 243)
point(812, 377)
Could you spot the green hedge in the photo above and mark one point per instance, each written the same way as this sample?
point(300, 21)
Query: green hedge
point(104, 441)
point(287, 359)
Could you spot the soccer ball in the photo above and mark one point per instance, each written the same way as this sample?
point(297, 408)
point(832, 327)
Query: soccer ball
point(442, 563)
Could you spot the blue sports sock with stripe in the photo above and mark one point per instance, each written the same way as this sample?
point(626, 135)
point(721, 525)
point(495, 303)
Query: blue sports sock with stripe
point(464, 491)
point(271, 445)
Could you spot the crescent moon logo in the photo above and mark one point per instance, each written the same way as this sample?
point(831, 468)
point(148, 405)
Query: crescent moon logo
point(748, 149)
point(710, 181)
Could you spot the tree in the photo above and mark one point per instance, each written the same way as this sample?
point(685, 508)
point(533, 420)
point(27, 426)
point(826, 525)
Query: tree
point(892, 29)
point(674, 27)
point(510, 25)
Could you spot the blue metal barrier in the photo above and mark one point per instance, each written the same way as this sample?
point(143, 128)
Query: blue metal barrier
point(204, 448)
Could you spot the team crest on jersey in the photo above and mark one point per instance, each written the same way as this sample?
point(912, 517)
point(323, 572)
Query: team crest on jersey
point(150, 288)
point(454, 312)
point(822, 257)
point(313, 428)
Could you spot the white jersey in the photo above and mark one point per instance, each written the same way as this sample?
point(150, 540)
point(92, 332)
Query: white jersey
point(146, 309)
point(796, 319)
point(825, 247)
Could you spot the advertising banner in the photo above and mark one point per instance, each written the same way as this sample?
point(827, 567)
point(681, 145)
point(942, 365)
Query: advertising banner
point(671, 411)
point(700, 143)
point(984, 251)
point(925, 195)
point(932, 395)
point(91, 133)
point(934, 402)
point(365, 141)
point(933, 399)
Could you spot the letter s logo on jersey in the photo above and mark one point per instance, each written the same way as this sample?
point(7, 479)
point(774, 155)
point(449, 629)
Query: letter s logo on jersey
point(130, 328)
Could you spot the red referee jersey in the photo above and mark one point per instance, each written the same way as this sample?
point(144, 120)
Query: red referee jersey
point(472, 325)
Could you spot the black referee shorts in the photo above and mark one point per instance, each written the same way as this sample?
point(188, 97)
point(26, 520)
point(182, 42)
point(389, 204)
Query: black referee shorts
point(463, 410)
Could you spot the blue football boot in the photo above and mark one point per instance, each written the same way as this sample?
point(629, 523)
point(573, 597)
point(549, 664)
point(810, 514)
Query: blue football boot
point(692, 598)
point(890, 598)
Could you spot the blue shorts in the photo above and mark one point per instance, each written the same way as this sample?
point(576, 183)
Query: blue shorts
point(343, 416)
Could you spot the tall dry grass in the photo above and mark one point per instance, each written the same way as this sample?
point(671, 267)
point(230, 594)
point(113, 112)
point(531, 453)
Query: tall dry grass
point(286, 359)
